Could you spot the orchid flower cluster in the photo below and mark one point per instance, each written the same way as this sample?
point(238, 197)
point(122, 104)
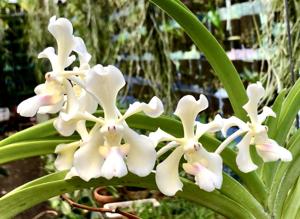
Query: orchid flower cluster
point(111, 148)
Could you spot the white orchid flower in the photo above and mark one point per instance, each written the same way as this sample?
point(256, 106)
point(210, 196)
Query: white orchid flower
point(205, 166)
point(255, 133)
point(50, 96)
point(111, 148)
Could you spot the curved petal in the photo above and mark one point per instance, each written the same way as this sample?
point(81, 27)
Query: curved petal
point(62, 30)
point(53, 108)
point(187, 110)
point(231, 122)
point(87, 160)
point(49, 53)
point(243, 159)
point(153, 109)
point(206, 167)
point(142, 155)
point(267, 111)
point(87, 102)
point(30, 106)
point(271, 151)
point(212, 127)
point(167, 176)
point(114, 165)
point(255, 92)
point(104, 83)
point(160, 135)
point(65, 156)
point(80, 49)
point(64, 125)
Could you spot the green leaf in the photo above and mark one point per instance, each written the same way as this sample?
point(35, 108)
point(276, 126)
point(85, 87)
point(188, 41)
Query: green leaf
point(281, 182)
point(37, 131)
point(292, 203)
point(27, 149)
point(272, 122)
point(290, 108)
point(23, 199)
point(212, 50)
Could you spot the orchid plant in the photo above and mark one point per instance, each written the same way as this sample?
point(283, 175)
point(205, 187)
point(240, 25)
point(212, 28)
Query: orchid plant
point(108, 149)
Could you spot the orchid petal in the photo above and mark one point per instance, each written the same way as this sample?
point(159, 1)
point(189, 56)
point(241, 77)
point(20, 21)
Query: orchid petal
point(255, 92)
point(267, 111)
point(80, 49)
point(87, 160)
point(65, 156)
point(207, 169)
point(142, 155)
point(187, 110)
point(271, 151)
point(160, 135)
point(243, 159)
point(62, 30)
point(49, 53)
point(30, 106)
point(167, 176)
point(114, 165)
point(213, 126)
point(231, 122)
point(64, 124)
point(153, 109)
point(52, 109)
point(104, 83)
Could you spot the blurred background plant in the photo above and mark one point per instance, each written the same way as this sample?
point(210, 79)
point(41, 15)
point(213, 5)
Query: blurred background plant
point(155, 55)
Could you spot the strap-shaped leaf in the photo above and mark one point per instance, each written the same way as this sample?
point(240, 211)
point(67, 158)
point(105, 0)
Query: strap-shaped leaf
point(292, 203)
point(29, 149)
point(281, 183)
point(212, 50)
point(290, 108)
point(51, 186)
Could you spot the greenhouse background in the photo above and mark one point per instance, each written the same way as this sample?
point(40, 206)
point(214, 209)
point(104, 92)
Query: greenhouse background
point(157, 58)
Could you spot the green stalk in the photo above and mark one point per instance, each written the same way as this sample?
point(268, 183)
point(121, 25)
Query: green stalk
point(212, 50)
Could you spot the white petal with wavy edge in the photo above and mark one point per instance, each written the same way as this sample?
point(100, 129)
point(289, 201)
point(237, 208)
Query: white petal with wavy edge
point(63, 125)
point(167, 176)
point(65, 155)
point(243, 159)
point(142, 155)
point(207, 168)
point(271, 151)
point(80, 49)
point(30, 106)
point(187, 110)
point(255, 92)
point(211, 127)
point(111, 80)
point(267, 111)
point(160, 135)
point(62, 30)
point(114, 165)
point(87, 160)
point(153, 109)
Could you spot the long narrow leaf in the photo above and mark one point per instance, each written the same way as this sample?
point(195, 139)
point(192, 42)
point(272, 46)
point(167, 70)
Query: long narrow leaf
point(23, 199)
point(212, 50)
